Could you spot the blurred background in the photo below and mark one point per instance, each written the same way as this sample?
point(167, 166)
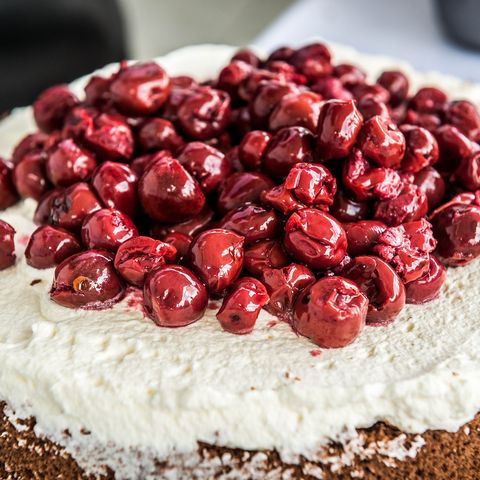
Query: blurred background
point(51, 41)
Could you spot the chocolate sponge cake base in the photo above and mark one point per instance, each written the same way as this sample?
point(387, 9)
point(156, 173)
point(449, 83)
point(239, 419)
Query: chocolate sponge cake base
point(440, 455)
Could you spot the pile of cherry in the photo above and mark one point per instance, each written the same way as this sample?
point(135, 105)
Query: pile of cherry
point(288, 183)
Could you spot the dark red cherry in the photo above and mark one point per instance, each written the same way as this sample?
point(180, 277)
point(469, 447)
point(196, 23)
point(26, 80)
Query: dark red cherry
point(282, 54)
point(264, 254)
point(299, 109)
point(457, 227)
point(204, 113)
point(370, 107)
point(465, 117)
point(240, 188)
point(313, 61)
point(140, 89)
point(315, 238)
point(364, 91)
point(29, 176)
point(7, 245)
point(140, 164)
point(421, 151)
point(338, 126)
point(289, 146)
point(427, 287)
point(158, 134)
point(362, 236)
point(241, 306)
point(282, 200)
point(168, 193)
point(52, 106)
point(97, 90)
point(116, 186)
point(70, 206)
point(68, 164)
point(32, 143)
point(468, 172)
point(8, 194)
point(48, 246)
point(252, 148)
point(381, 141)
point(429, 100)
point(429, 121)
point(174, 297)
point(248, 56)
point(253, 222)
point(381, 285)
point(283, 286)
point(217, 257)
point(79, 122)
point(407, 248)
point(43, 211)
point(432, 185)
point(87, 280)
point(410, 205)
point(331, 312)
point(454, 146)
point(349, 75)
point(331, 88)
point(138, 256)
point(107, 229)
point(397, 85)
point(345, 209)
point(205, 163)
point(232, 76)
point(181, 242)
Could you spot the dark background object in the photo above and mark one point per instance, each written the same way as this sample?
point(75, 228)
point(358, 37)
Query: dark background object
point(460, 20)
point(44, 42)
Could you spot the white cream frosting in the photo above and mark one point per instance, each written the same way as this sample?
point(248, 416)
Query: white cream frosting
point(156, 390)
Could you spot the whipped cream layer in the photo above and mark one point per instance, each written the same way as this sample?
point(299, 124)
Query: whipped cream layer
point(135, 386)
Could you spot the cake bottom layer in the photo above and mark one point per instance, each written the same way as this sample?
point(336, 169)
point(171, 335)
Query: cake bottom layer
point(380, 452)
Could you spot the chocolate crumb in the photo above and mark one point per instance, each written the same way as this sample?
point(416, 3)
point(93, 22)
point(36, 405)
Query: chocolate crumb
point(35, 282)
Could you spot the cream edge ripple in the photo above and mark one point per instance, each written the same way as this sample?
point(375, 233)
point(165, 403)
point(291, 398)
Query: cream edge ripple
point(157, 391)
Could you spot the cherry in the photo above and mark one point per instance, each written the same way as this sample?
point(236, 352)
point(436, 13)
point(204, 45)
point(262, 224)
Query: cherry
point(370, 107)
point(70, 207)
point(29, 176)
point(138, 256)
point(7, 245)
point(289, 146)
point(349, 75)
point(454, 146)
point(429, 121)
point(464, 116)
point(97, 90)
point(421, 149)
point(432, 185)
point(331, 312)
point(181, 242)
point(240, 124)
point(217, 258)
point(429, 100)
point(232, 75)
point(168, 193)
point(116, 186)
point(68, 164)
point(407, 248)
point(140, 89)
point(468, 172)
point(331, 88)
point(204, 113)
point(8, 194)
point(427, 287)
point(43, 211)
point(158, 134)
point(252, 222)
point(296, 110)
point(365, 182)
point(79, 122)
point(410, 205)
point(48, 246)
point(381, 285)
point(252, 149)
point(205, 163)
point(345, 209)
point(32, 143)
point(281, 199)
point(246, 55)
point(87, 280)
point(107, 229)
point(282, 54)
point(381, 141)
point(456, 228)
point(174, 297)
point(315, 238)
point(338, 126)
point(248, 87)
point(241, 306)
point(312, 60)
point(363, 236)
point(51, 107)
point(397, 85)
point(376, 92)
point(283, 286)
point(240, 188)
point(140, 164)
point(264, 254)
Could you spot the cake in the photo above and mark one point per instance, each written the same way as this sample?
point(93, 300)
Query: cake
point(108, 393)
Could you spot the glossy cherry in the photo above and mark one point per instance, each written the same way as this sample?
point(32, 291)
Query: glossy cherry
point(248, 56)
point(241, 306)
point(181, 242)
point(7, 245)
point(263, 255)
point(364, 91)
point(97, 90)
point(232, 75)
point(427, 287)
point(349, 75)
point(29, 176)
point(381, 285)
point(331, 312)
point(138, 256)
point(252, 148)
point(51, 107)
point(454, 146)
point(168, 193)
point(8, 193)
point(174, 297)
point(468, 172)
point(429, 100)
point(315, 238)
point(313, 61)
point(465, 117)
point(370, 107)
point(338, 126)
point(432, 185)
point(397, 85)
point(87, 280)
point(346, 209)
point(362, 236)
point(158, 134)
point(33, 143)
point(48, 246)
point(331, 88)
point(421, 149)
point(205, 163)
